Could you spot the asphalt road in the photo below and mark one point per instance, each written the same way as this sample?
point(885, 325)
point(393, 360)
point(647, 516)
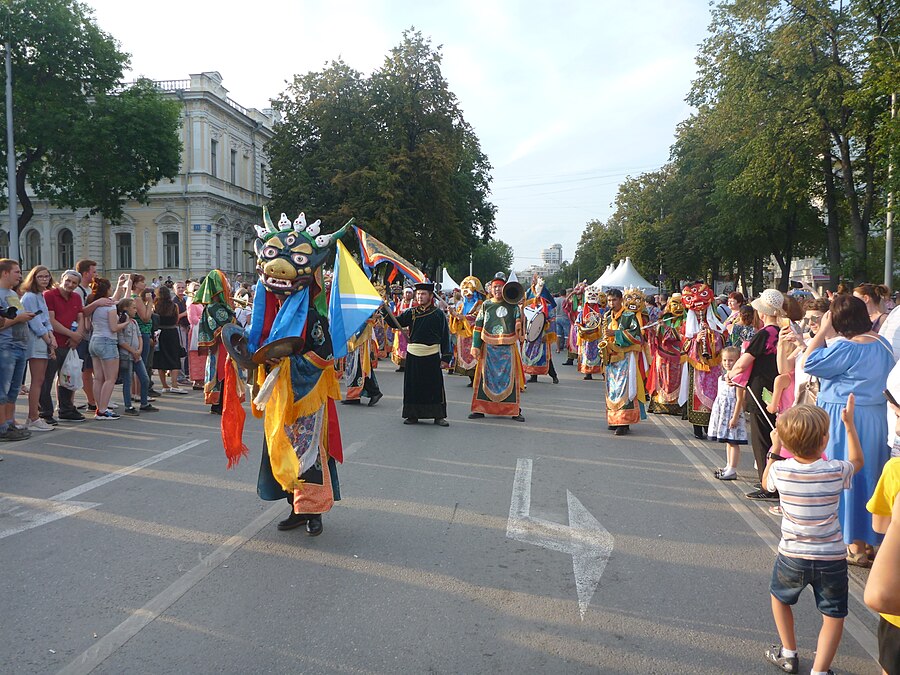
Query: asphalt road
point(127, 547)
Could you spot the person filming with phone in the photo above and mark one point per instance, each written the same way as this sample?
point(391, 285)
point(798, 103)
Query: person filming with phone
point(859, 364)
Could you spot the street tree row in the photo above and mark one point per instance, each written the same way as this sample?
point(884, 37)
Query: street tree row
point(787, 153)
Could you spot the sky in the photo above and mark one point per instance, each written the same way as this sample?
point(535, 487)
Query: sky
point(567, 98)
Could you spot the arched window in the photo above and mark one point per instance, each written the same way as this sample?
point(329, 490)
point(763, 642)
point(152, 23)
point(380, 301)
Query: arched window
point(32, 249)
point(4, 244)
point(65, 249)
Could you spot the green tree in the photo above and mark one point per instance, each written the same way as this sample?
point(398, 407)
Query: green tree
point(393, 150)
point(82, 141)
point(488, 258)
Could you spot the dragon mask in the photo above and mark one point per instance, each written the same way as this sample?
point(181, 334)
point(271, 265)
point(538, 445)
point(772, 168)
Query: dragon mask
point(288, 255)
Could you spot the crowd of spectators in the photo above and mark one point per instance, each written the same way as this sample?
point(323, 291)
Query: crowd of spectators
point(84, 332)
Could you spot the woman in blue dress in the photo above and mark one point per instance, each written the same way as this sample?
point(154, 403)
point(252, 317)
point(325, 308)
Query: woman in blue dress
point(858, 364)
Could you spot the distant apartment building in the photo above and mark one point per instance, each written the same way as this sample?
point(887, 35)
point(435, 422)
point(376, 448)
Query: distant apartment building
point(201, 221)
point(551, 261)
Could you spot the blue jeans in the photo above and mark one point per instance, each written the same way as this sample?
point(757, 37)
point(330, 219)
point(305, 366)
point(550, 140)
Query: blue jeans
point(828, 579)
point(126, 368)
point(13, 360)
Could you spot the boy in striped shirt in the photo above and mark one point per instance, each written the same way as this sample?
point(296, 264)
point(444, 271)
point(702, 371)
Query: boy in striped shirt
point(811, 551)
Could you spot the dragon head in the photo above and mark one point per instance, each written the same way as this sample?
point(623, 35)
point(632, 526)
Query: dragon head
point(288, 255)
point(697, 297)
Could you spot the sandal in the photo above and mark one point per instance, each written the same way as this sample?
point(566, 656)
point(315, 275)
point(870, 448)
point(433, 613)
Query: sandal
point(858, 559)
point(870, 552)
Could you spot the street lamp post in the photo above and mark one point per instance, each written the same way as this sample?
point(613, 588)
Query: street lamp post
point(889, 218)
point(11, 161)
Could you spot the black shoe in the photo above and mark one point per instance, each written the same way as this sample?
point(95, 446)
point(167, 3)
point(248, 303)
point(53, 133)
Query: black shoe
point(475, 416)
point(471, 383)
point(588, 377)
point(92, 407)
point(351, 401)
point(533, 378)
point(555, 380)
point(699, 433)
point(762, 495)
point(620, 431)
point(411, 420)
point(400, 369)
point(130, 410)
point(50, 419)
point(314, 525)
point(73, 416)
point(293, 521)
point(518, 418)
point(568, 363)
point(153, 392)
point(215, 411)
point(441, 422)
point(149, 408)
point(789, 664)
point(374, 399)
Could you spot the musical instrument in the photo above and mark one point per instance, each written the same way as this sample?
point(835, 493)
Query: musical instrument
point(513, 292)
point(591, 323)
point(535, 320)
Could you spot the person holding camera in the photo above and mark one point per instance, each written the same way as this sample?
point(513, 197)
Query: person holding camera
point(13, 349)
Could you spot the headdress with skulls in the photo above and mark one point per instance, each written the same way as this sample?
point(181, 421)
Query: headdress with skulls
point(591, 294)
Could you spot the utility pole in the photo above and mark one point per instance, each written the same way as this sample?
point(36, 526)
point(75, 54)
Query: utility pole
point(888, 229)
point(11, 160)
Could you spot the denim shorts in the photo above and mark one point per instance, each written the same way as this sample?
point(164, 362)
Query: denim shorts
point(828, 579)
point(38, 349)
point(13, 359)
point(104, 348)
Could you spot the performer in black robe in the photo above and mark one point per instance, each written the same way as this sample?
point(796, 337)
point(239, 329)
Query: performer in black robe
point(427, 355)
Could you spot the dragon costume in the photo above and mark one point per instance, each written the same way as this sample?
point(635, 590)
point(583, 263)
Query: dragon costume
point(700, 357)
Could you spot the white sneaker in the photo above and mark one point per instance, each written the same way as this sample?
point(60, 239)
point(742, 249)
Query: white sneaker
point(166, 390)
point(176, 390)
point(38, 425)
point(112, 406)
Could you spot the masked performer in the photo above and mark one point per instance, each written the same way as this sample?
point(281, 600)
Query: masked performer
point(214, 293)
point(625, 373)
point(381, 347)
point(571, 307)
point(499, 376)
point(664, 380)
point(700, 358)
point(539, 333)
point(290, 341)
point(428, 351)
point(400, 339)
point(462, 324)
point(359, 367)
point(589, 324)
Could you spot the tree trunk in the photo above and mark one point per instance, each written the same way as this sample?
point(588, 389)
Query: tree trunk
point(859, 227)
point(758, 282)
point(832, 224)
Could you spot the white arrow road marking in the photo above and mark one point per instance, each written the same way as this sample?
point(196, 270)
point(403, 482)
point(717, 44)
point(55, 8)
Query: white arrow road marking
point(585, 539)
point(25, 513)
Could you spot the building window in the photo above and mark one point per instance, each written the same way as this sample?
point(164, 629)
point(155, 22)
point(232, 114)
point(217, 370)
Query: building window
point(262, 179)
point(235, 258)
point(170, 250)
point(32, 249)
point(218, 257)
point(123, 250)
point(234, 167)
point(4, 244)
point(65, 249)
point(213, 157)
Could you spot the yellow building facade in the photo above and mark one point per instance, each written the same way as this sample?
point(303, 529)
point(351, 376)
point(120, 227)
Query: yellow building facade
point(202, 220)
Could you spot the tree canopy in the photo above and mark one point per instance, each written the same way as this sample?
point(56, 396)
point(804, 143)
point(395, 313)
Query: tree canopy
point(392, 150)
point(787, 152)
point(82, 139)
point(488, 258)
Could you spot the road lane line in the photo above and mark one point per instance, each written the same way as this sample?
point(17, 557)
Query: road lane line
point(106, 646)
point(860, 632)
point(125, 471)
point(31, 513)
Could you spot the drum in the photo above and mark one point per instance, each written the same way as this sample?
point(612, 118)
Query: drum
point(534, 324)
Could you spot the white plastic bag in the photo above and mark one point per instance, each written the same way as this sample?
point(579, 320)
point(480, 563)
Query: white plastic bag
point(70, 372)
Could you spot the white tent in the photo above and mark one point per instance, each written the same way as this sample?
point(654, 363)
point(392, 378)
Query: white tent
point(609, 270)
point(447, 283)
point(626, 276)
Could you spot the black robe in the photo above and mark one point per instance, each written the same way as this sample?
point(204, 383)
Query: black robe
point(423, 378)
